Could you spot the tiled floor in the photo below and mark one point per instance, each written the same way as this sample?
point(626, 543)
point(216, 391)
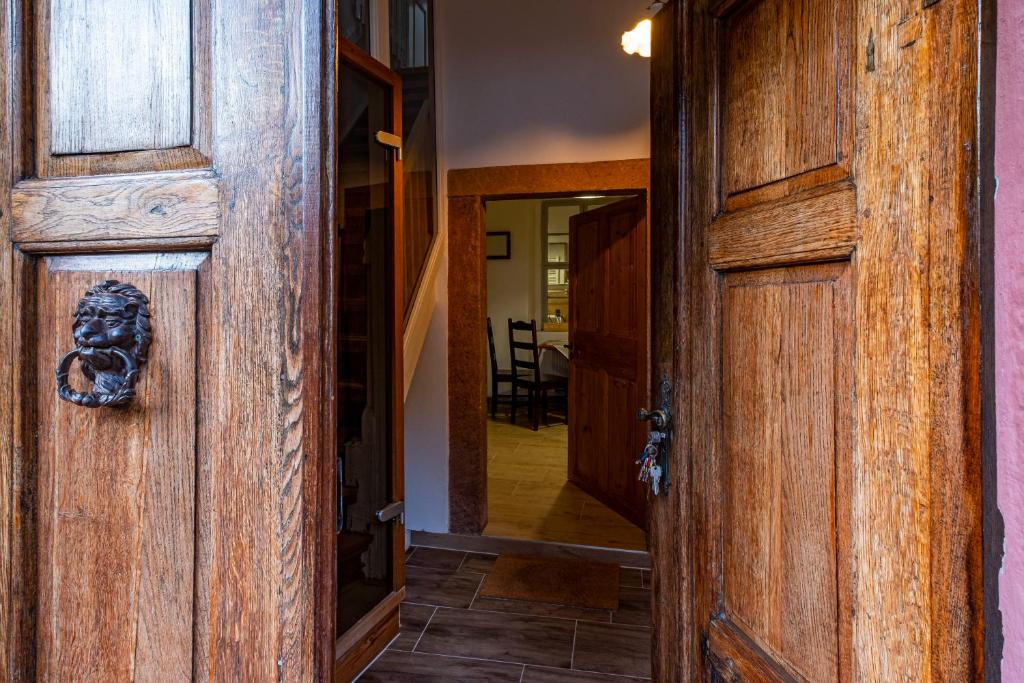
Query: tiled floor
point(529, 495)
point(449, 633)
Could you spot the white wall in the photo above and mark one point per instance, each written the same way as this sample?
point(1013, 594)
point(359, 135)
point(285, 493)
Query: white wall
point(542, 81)
point(513, 286)
point(519, 82)
point(426, 425)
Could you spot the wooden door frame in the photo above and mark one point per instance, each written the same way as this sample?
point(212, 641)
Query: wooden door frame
point(345, 655)
point(966, 534)
point(468, 191)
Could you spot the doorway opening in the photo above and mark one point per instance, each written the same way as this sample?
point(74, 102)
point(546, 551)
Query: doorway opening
point(545, 479)
point(471, 193)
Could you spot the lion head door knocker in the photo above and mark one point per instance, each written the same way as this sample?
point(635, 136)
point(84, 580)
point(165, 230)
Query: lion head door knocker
point(112, 336)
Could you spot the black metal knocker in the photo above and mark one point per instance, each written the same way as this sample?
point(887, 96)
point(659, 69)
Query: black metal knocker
point(112, 336)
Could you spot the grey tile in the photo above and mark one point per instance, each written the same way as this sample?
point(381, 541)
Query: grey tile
point(534, 674)
point(613, 649)
point(501, 637)
point(540, 609)
point(398, 667)
point(478, 563)
point(634, 607)
point(630, 576)
point(413, 619)
point(437, 558)
point(441, 587)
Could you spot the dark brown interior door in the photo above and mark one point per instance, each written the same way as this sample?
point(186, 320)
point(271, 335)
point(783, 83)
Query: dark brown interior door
point(608, 363)
point(817, 309)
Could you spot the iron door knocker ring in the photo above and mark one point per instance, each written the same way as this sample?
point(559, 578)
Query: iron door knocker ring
point(112, 336)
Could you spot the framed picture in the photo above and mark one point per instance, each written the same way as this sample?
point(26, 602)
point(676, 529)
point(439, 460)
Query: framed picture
point(499, 246)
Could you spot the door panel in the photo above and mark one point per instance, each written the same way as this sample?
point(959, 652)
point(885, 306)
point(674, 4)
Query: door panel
point(810, 534)
point(169, 538)
point(370, 552)
point(116, 509)
point(608, 365)
point(772, 403)
point(784, 405)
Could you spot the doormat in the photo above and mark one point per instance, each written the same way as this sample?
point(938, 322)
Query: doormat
point(559, 582)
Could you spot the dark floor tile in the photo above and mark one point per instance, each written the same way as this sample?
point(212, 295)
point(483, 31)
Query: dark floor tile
point(534, 674)
point(442, 587)
point(646, 574)
point(613, 649)
point(502, 637)
point(478, 563)
point(413, 619)
point(399, 667)
point(540, 609)
point(634, 607)
point(437, 558)
point(629, 576)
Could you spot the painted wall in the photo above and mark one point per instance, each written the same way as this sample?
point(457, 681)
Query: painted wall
point(542, 81)
point(1009, 337)
point(519, 82)
point(513, 286)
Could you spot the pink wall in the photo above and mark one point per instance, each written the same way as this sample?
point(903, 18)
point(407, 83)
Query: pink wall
point(1009, 337)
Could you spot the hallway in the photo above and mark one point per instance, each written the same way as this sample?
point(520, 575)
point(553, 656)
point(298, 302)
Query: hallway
point(529, 497)
point(450, 633)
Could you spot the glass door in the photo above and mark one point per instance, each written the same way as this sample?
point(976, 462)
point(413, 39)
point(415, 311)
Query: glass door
point(370, 531)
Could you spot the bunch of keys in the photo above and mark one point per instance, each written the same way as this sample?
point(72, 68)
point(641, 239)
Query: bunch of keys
point(650, 470)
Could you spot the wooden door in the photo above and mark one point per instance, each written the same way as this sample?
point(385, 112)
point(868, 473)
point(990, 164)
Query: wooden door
point(817, 309)
point(608, 360)
point(159, 525)
point(368, 376)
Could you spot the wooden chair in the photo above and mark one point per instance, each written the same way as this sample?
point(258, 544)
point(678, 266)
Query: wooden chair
point(526, 372)
point(499, 376)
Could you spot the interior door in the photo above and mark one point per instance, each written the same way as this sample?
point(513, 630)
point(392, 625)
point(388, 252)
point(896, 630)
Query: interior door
point(370, 531)
point(608, 360)
point(816, 309)
point(159, 262)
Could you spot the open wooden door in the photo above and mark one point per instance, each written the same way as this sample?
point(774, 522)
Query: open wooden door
point(368, 422)
point(816, 307)
point(160, 268)
point(609, 350)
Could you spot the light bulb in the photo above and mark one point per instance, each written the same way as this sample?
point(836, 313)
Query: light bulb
point(638, 41)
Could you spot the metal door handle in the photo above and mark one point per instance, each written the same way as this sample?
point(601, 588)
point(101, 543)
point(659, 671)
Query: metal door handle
point(112, 336)
point(390, 512)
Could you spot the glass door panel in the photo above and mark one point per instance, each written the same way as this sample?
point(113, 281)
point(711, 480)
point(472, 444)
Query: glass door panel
point(365, 334)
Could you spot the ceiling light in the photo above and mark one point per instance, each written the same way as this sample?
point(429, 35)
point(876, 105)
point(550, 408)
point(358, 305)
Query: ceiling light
point(638, 41)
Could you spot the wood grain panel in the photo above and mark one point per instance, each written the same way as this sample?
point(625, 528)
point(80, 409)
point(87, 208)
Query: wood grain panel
point(117, 486)
point(779, 83)
point(120, 75)
point(147, 206)
point(783, 407)
point(815, 225)
point(608, 366)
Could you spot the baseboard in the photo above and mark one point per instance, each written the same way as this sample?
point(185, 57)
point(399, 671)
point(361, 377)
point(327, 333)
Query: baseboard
point(498, 545)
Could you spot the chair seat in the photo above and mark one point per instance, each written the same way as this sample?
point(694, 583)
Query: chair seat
point(546, 381)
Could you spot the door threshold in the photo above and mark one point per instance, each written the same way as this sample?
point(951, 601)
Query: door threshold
point(500, 545)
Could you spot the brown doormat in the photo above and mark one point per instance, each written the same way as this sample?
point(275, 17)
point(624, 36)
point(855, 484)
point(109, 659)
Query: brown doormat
point(559, 582)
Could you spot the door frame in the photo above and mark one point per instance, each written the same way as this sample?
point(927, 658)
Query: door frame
point(345, 655)
point(468, 192)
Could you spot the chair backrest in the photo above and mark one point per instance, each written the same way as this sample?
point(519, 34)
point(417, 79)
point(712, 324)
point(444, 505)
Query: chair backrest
point(524, 344)
point(490, 345)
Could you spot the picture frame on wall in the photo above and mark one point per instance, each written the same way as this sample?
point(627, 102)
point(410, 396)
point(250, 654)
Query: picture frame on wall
point(499, 245)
